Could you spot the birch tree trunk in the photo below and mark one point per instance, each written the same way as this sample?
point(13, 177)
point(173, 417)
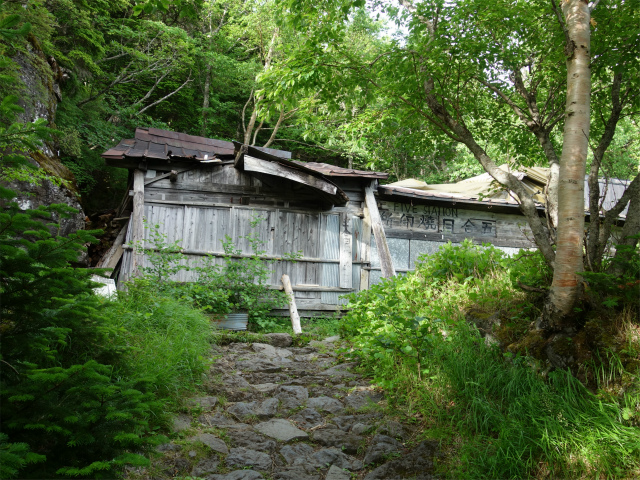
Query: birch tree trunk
point(567, 285)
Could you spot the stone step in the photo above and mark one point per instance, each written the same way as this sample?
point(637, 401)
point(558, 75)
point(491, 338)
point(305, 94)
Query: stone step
point(283, 412)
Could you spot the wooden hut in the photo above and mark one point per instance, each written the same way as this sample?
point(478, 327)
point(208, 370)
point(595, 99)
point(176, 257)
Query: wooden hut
point(200, 190)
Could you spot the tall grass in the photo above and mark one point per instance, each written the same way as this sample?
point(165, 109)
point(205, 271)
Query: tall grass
point(167, 340)
point(526, 423)
point(514, 421)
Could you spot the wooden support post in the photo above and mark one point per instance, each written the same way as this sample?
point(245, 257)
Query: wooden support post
point(113, 255)
point(386, 263)
point(137, 222)
point(346, 255)
point(365, 254)
point(293, 310)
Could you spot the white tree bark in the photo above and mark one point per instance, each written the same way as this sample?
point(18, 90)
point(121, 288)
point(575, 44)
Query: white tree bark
point(567, 285)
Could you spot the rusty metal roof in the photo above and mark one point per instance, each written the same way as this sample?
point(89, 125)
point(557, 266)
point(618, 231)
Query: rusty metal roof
point(156, 144)
point(335, 171)
point(153, 143)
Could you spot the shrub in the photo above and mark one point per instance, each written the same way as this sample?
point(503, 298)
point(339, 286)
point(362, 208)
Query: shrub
point(59, 396)
point(411, 335)
point(166, 339)
point(239, 284)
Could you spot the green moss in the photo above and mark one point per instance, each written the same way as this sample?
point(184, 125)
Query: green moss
point(532, 344)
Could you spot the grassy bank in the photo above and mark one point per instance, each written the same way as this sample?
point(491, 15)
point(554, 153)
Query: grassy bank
point(499, 412)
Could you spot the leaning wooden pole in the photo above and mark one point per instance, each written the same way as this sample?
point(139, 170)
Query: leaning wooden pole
point(293, 309)
point(386, 264)
point(137, 222)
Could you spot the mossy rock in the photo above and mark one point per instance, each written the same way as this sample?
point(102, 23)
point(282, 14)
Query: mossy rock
point(532, 344)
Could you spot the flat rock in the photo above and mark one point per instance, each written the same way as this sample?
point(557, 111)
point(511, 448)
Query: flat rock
point(281, 430)
point(214, 443)
point(417, 464)
point(206, 403)
point(296, 452)
point(341, 370)
point(168, 447)
point(381, 447)
point(292, 396)
point(393, 429)
point(258, 364)
point(296, 472)
point(242, 410)
point(361, 399)
point(346, 422)
point(330, 391)
point(337, 438)
point(235, 381)
point(252, 440)
point(204, 467)
point(337, 473)
point(264, 349)
point(265, 387)
point(267, 408)
point(326, 457)
point(237, 475)
point(309, 357)
point(216, 420)
point(261, 378)
point(325, 404)
point(360, 428)
point(307, 418)
point(245, 457)
point(180, 422)
point(279, 339)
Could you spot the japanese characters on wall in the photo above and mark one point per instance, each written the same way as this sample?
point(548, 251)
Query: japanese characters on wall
point(435, 219)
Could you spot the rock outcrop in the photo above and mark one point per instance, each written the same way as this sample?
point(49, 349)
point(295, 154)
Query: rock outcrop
point(39, 95)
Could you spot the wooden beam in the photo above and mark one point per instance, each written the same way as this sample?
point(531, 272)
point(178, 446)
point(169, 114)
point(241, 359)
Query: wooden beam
point(293, 310)
point(183, 186)
point(149, 181)
point(354, 211)
point(137, 221)
point(346, 254)
point(205, 253)
point(252, 164)
point(365, 255)
point(113, 255)
point(378, 232)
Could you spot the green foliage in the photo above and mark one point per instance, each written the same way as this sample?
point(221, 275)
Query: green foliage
point(614, 289)
point(18, 139)
point(166, 340)
point(410, 334)
point(15, 456)
point(59, 394)
point(239, 284)
point(530, 268)
point(465, 261)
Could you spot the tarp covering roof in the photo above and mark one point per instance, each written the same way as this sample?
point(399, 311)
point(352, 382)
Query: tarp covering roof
point(484, 188)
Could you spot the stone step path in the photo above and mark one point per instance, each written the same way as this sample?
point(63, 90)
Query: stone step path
point(289, 413)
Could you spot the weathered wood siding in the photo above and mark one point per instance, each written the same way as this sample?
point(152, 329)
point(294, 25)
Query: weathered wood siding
point(207, 204)
point(413, 230)
point(337, 250)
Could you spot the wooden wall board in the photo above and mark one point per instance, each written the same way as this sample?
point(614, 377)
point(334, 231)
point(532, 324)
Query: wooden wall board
point(346, 251)
point(433, 223)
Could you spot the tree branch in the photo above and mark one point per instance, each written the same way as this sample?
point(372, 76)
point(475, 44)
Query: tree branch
point(188, 80)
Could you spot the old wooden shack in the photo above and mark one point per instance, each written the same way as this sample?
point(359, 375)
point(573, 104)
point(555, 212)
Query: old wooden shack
point(347, 230)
